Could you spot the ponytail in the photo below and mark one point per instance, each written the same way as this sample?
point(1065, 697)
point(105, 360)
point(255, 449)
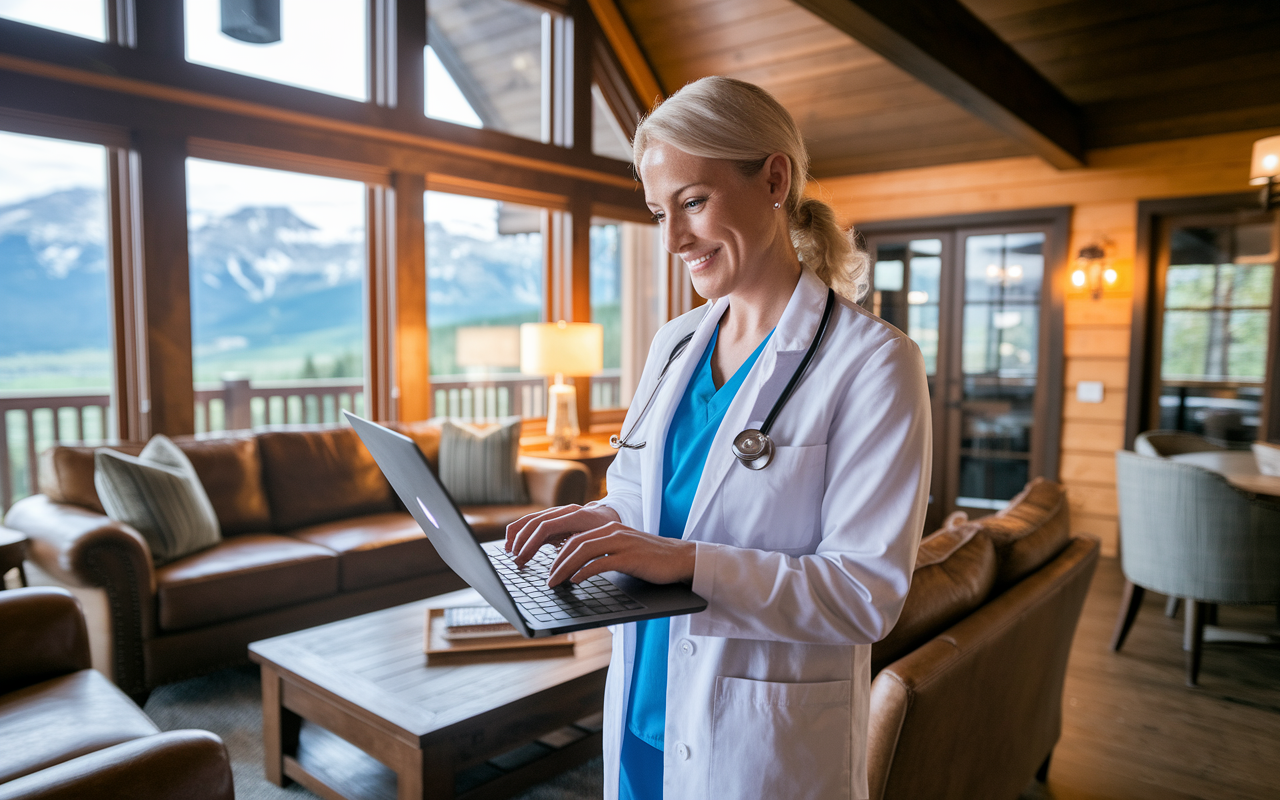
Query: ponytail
point(833, 255)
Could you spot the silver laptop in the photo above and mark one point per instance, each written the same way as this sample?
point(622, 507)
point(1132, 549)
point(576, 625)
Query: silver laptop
point(519, 594)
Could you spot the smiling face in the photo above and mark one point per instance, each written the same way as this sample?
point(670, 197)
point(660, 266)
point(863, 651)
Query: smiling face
point(719, 221)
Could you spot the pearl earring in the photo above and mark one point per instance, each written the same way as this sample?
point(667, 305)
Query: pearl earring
point(777, 205)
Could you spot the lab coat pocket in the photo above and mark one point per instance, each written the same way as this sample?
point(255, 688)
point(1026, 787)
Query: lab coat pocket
point(772, 740)
point(779, 507)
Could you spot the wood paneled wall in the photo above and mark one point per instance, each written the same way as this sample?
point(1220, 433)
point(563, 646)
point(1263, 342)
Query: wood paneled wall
point(1104, 196)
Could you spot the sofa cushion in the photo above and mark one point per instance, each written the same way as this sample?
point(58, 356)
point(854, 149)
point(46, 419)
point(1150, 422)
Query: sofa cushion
point(955, 570)
point(1033, 528)
point(231, 471)
point(160, 495)
point(228, 466)
point(490, 522)
point(425, 434)
point(320, 474)
point(375, 550)
point(66, 474)
point(56, 720)
point(243, 575)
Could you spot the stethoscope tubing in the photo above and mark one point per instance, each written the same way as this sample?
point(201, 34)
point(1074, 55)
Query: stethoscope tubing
point(753, 448)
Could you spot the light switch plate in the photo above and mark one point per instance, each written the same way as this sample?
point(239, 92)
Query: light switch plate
point(1089, 391)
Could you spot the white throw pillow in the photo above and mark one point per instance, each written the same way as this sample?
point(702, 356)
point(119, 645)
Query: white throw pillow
point(159, 494)
point(479, 465)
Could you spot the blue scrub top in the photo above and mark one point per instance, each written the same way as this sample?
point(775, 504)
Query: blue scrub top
point(693, 426)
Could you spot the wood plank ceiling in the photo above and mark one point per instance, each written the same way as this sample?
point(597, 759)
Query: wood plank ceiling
point(1139, 70)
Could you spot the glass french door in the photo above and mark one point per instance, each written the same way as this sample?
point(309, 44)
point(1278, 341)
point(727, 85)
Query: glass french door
point(972, 300)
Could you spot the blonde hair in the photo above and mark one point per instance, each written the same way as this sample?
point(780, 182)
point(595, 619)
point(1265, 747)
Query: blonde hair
point(729, 119)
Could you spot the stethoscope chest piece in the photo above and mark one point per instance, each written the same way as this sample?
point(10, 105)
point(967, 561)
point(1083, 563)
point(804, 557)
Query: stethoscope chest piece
point(753, 448)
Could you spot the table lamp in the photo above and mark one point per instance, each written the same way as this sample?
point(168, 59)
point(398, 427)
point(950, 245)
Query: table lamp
point(559, 349)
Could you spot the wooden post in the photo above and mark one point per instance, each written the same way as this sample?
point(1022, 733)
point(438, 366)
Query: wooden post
point(168, 402)
point(411, 338)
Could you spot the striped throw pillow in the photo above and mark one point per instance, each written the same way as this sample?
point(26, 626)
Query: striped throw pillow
point(479, 465)
point(159, 494)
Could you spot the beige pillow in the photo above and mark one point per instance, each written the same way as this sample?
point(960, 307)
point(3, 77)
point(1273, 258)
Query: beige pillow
point(478, 465)
point(160, 495)
point(955, 570)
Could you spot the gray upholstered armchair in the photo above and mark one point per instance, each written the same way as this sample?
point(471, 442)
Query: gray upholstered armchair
point(1186, 532)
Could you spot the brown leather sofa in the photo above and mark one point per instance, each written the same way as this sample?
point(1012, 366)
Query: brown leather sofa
point(312, 532)
point(67, 732)
point(967, 700)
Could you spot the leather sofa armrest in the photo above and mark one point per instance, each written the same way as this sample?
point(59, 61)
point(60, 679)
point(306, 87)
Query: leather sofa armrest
point(74, 544)
point(82, 548)
point(42, 636)
point(555, 482)
point(184, 765)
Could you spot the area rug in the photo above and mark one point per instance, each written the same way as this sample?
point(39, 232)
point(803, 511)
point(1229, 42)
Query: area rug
point(229, 703)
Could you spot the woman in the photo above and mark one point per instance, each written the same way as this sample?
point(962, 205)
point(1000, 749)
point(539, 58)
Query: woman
point(804, 563)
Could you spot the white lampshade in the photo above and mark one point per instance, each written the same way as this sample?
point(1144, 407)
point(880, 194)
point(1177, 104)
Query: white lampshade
point(1266, 160)
point(487, 346)
point(564, 348)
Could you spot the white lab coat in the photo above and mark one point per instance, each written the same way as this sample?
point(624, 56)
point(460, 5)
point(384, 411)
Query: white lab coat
point(804, 564)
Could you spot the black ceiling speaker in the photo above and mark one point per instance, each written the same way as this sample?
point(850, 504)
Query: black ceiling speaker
point(253, 21)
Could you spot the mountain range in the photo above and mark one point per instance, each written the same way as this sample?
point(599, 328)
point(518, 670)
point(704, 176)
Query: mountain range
point(260, 276)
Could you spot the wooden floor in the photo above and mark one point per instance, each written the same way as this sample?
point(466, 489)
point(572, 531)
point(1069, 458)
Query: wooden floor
point(1132, 729)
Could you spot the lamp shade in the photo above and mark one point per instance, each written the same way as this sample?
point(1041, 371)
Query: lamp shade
point(489, 346)
point(1266, 160)
point(565, 348)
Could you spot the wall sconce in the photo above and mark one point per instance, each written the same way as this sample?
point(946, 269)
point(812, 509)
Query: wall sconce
point(1264, 170)
point(1092, 270)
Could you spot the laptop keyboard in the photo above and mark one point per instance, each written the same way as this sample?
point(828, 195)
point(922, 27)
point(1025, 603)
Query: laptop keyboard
point(528, 587)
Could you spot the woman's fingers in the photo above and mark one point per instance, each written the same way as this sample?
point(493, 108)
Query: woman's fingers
point(554, 527)
point(616, 547)
point(518, 531)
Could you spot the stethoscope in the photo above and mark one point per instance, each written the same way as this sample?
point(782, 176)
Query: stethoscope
point(753, 447)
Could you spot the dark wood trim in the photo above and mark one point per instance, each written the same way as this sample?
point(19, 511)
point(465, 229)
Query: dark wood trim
point(379, 301)
point(1047, 431)
point(410, 342)
point(1144, 325)
point(128, 335)
point(168, 402)
point(159, 28)
point(945, 46)
point(578, 116)
point(72, 61)
point(411, 41)
point(626, 50)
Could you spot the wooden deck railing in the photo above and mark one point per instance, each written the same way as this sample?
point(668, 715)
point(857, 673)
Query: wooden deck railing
point(30, 423)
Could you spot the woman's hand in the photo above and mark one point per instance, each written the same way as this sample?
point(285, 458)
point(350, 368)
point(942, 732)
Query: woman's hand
point(552, 526)
point(598, 542)
point(614, 546)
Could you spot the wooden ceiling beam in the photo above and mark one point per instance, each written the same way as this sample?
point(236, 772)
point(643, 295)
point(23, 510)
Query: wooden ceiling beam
point(632, 59)
point(942, 44)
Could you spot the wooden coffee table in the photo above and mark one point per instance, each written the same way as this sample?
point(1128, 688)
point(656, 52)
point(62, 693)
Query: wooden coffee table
point(338, 696)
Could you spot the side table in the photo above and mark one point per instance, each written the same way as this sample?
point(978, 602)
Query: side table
point(592, 453)
point(13, 550)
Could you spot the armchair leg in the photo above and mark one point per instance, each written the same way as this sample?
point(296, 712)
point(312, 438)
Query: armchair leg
point(1196, 612)
point(1171, 606)
point(1130, 602)
point(1042, 774)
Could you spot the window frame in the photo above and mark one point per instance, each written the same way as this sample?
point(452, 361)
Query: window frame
point(1151, 260)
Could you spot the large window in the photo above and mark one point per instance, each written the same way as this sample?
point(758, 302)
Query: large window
point(485, 276)
point(277, 285)
point(606, 308)
point(484, 63)
point(1216, 312)
point(87, 18)
point(315, 44)
point(55, 330)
